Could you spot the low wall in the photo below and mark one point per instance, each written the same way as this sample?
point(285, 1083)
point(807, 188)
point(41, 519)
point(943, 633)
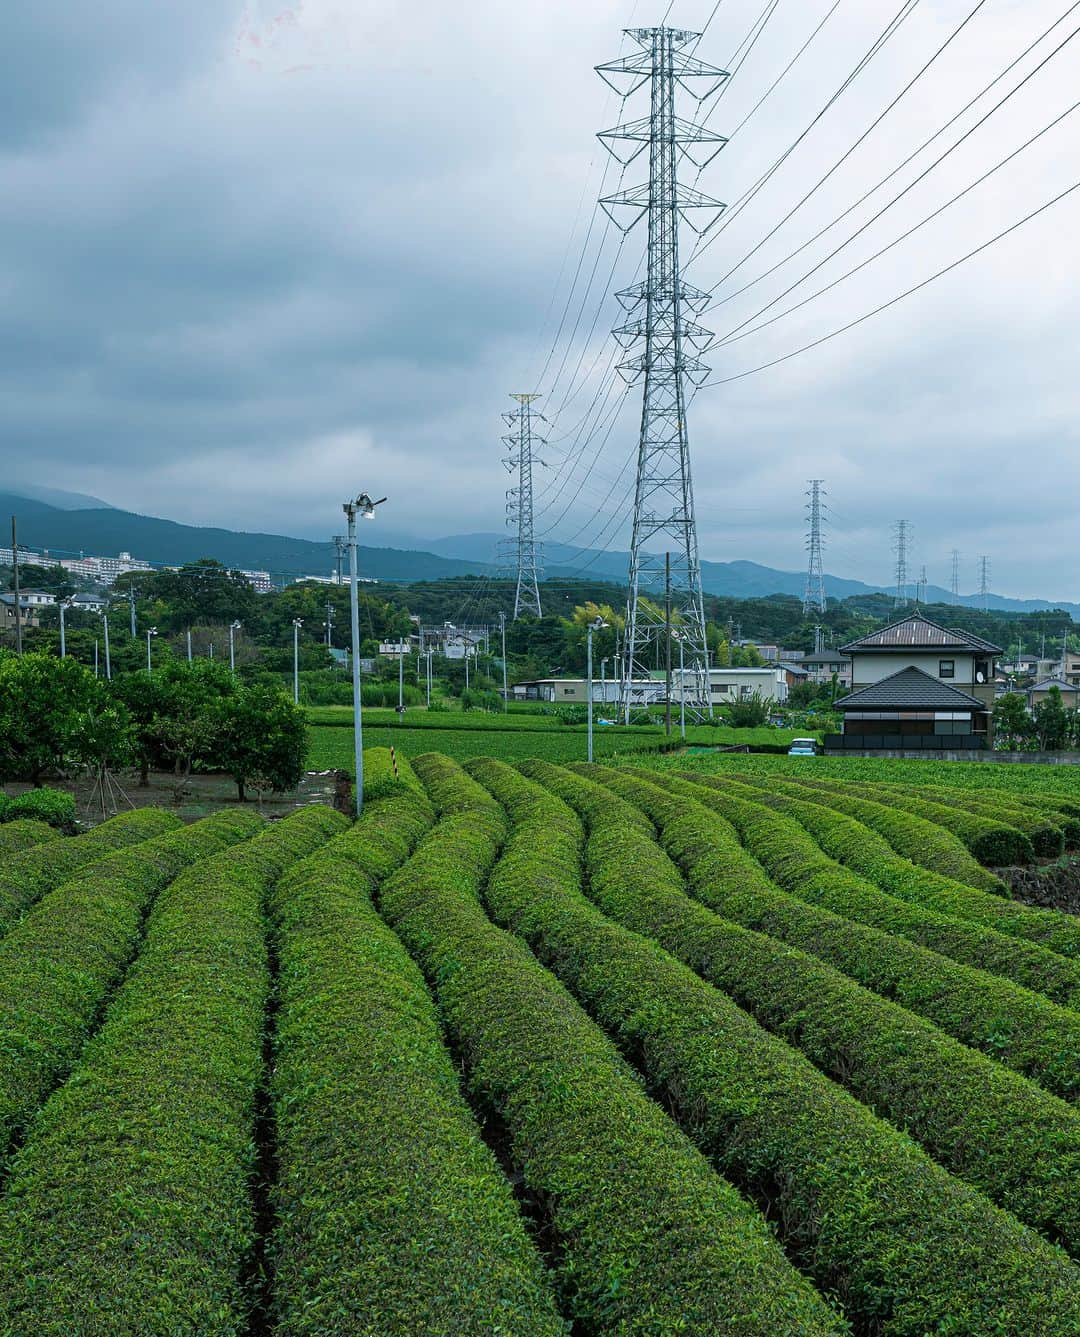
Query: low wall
point(1021, 758)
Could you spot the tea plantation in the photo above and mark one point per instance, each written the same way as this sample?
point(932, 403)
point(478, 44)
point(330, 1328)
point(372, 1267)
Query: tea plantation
point(732, 1045)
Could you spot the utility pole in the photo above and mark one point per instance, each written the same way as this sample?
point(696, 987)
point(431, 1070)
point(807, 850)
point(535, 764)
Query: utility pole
point(920, 597)
point(526, 552)
point(297, 623)
point(329, 622)
point(15, 581)
point(814, 594)
point(984, 583)
point(63, 604)
point(502, 629)
point(108, 660)
point(956, 575)
point(131, 604)
point(189, 645)
point(429, 652)
point(662, 337)
point(901, 536)
point(340, 545)
point(667, 644)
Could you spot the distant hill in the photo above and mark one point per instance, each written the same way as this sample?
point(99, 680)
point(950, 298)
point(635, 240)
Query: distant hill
point(106, 531)
point(55, 496)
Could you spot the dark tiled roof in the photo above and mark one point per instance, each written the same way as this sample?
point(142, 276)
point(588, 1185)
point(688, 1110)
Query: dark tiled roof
point(916, 632)
point(910, 689)
point(1060, 683)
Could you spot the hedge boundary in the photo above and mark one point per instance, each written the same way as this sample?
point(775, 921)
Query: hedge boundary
point(389, 1205)
point(1021, 1029)
point(649, 1238)
point(907, 1247)
point(129, 1207)
point(62, 960)
point(1019, 1145)
point(26, 877)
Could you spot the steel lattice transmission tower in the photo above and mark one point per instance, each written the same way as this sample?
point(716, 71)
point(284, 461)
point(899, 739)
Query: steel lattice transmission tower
point(814, 594)
point(956, 575)
point(524, 551)
point(901, 535)
point(984, 583)
point(663, 342)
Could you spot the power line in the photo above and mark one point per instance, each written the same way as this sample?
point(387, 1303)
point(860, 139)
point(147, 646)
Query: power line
point(908, 292)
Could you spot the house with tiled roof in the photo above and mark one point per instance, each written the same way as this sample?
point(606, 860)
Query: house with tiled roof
point(918, 685)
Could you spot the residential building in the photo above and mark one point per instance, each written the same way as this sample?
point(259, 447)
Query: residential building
point(822, 665)
point(1070, 692)
point(917, 684)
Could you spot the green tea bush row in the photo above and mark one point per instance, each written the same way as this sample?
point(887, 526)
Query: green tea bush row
point(996, 1130)
point(774, 830)
point(906, 1247)
point(387, 772)
point(392, 1216)
point(55, 806)
point(649, 1239)
point(1021, 1029)
point(25, 878)
point(129, 1209)
point(861, 848)
point(60, 962)
point(24, 833)
point(915, 838)
point(992, 842)
point(1047, 835)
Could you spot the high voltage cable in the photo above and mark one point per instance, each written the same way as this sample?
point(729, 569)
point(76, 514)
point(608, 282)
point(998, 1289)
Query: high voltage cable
point(734, 335)
point(884, 306)
point(900, 166)
point(847, 154)
point(597, 427)
point(599, 450)
point(730, 214)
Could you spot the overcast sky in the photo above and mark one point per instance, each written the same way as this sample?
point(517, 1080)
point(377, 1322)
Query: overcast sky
point(254, 258)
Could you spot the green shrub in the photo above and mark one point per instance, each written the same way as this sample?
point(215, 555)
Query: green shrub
point(129, 1208)
point(991, 1127)
point(1021, 1029)
point(857, 845)
point(28, 876)
point(386, 772)
point(389, 1205)
point(650, 1239)
point(54, 806)
point(60, 962)
point(991, 842)
point(23, 834)
point(774, 830)
point(907, 1248)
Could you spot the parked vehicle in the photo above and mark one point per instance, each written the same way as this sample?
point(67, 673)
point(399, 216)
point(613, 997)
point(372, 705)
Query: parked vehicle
point(802, 747)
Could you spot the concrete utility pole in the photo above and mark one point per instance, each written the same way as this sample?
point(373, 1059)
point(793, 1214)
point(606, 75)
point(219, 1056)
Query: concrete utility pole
point(233, 628)
point(662, 337)
point(150, 632)
point(329, 624)
point(297, 623)
point(340, 546)
point(365, 507)
point(63, 604)
point(131, 602)
point(502, 629)
point(597, 624)
point(667, 643)
point(15, 581)
point(108, 661)
point(189, 645)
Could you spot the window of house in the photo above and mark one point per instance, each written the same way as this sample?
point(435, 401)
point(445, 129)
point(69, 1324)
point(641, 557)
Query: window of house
point(946, 668)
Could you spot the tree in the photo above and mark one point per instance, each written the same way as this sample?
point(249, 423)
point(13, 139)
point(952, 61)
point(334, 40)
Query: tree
point(749, 712)
point(53, 579)
point(1051, 721)
point(261, 739)
point(40, 699)
point(1013, 725)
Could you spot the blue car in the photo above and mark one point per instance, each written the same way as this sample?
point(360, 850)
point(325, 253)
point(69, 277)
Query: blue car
point(802, 747)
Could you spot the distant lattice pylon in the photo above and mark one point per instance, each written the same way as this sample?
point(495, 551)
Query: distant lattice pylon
point(814, 593)
point(901, 536)
point(525, 552)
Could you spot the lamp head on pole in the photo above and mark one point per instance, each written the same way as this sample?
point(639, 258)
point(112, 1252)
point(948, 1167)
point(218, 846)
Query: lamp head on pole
point(598, 623)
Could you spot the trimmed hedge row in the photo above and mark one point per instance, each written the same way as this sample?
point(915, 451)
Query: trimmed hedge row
point(387, 772)
point(129, 1208)
point(915, 838)
point(908, 1248)
point(993, 843)
point(392, 1214)
point(28, 876)
point(60, 962)
point(648, 1238)
point(24, 833)
point(55, 806)
point(1021, 1029)
point(861, 848)
point(1016, 1143)
point(797, 860)
point(1047, 834)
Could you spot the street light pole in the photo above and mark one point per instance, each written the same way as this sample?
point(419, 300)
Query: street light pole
point(596, 625)
point(366, 507)
point(108, 661)
point(429, 677)
point(506, 690)
point(233, 627)
point(401, 679)
point(682, 692)
point(297, 623)
point(189, 645)
point(150, 631)
point(63, 639)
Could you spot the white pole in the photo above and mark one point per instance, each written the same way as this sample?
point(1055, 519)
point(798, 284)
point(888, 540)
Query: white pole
point(296, 662)
point(588, 685)
point(682, 693)
point(603, 681)
point(95, 657)
point(189, 645)
point(465, 641)
point(149, 666)
point(502, 628)
point(108, 661)
point(232, 651)
point(429, 677)
point(354, 615)
point(63, 641)
point(401, 679)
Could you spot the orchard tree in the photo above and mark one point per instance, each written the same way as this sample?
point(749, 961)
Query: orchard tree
point(261, 739)
point(1051, 721)
point(40, 699)
point(1013, 725)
